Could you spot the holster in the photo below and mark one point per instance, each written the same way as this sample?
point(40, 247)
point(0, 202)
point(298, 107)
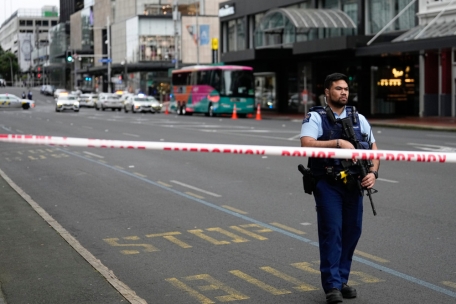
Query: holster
point(308, 179)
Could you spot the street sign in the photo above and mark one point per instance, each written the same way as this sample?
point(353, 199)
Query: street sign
point(105, 60)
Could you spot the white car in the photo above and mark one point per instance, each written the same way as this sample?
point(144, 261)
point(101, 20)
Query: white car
point(66, 102)
point(155, 104)
point(88, 100)
point(138, 103)
point(108, 101)
point(58, 91)
point(12, 101)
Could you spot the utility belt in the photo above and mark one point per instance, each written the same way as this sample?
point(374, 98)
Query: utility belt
point(332, 175)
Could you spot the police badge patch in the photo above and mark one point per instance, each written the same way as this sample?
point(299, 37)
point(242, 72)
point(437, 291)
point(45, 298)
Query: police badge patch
point(307, 118)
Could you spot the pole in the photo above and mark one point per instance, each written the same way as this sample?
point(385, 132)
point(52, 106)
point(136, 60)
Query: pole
point(176, 35)
point(126, 74)
point(11, 66)
point(108, 29)
point(197, 36)
point(305, 89)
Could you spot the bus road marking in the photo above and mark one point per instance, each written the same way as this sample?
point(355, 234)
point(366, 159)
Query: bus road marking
point(119, 167)
point(301, 286)
point(164, 184)
point(234, 209)
point(139, 174)
point(170, 237)
point(259, 284)
point(370, 256)
point(449, 284)
point(287, 228)
point(192, 292)
point(114, 242)
point(194, 195)
point(93, 154)
point(197, 189)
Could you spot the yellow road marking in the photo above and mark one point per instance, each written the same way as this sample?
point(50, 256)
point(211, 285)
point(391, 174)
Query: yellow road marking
point(249, 233)
point(194, 195)
point(288, 228)
point(232, 294)
point(301, 286)
point(259, 283)
point(363, 277)
point(192, 292)
point(370, 256)
point(114, 242)
point(234, 209)
point(32, 158)
point(164, 184)
point(235, 238)
point(119, 167)
point(101, 161)
point(139, 174)
point(449, 284)
point(170, 237)
point(199, 233)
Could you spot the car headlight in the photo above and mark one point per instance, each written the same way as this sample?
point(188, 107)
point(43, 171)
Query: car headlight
point(59, 103)
point(76, 104)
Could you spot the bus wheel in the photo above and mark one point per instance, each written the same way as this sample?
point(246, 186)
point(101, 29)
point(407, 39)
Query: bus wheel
point(210, 111)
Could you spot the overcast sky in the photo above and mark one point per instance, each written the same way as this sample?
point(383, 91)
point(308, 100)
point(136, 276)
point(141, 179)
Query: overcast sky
point(7, 7)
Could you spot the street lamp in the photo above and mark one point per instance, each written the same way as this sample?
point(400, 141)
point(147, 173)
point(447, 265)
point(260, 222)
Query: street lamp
point(11, 65)
point(108, 42)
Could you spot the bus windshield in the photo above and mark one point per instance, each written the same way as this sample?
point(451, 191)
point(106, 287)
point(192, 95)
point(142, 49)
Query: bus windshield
point(237, 83)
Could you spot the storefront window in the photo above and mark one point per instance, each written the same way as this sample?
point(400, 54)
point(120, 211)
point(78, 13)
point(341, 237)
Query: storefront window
point(156, 48)
point(232, 35)
point(240, 34)
point(382, 11)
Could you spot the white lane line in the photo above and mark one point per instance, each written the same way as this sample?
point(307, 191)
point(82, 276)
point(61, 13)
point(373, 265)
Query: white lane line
point(129, 134)
point(295, 137)
point(388, 180)
point(197, 189)
point(92, 154)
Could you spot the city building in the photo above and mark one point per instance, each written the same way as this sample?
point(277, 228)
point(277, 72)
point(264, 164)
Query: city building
point(393, 69)
point(26, 31)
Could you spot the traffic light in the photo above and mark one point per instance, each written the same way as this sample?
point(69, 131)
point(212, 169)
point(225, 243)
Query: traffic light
point(38, 75)
point(69, 56)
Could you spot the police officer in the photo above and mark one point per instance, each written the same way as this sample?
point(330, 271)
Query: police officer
point(339, 206)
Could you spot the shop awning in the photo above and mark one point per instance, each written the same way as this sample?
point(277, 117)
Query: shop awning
point(437, 30)
point(437, 36)
point(303, 19)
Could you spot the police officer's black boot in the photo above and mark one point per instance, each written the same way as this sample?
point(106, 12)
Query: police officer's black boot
point(334, 296)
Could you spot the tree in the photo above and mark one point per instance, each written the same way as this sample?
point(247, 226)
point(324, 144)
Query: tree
point(6, 59)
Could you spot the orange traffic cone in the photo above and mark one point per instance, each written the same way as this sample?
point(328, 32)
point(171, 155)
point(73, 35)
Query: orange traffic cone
point(234, 113)
point(258, 114)
point(166, 109)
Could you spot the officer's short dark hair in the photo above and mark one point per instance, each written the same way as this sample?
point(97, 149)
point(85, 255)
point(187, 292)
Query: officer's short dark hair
point(334, 77)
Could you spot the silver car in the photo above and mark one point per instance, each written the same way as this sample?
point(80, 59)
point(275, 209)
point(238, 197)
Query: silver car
point(88, 100)
point(138, 103)
point(66, 102)
point(155, 104)
point(108, 101)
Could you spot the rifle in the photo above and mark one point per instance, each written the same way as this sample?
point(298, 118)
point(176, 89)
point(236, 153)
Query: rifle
point(363, 165)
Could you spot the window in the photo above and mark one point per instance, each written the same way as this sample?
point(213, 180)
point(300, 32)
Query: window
point(181, 79)
point(380, 12)
point(240, 34)
point(156, 48)
point(22, 22)
point(53, 22)
point(29, 22)
point(38, 22)
point(45, 22)
point(232, 35)
point(203, 77)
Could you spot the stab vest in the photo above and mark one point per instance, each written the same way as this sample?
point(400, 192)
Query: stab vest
point(333, 130)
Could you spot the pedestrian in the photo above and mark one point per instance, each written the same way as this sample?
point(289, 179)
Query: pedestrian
point(29, 95)
point(24, 95)
point(339, 206)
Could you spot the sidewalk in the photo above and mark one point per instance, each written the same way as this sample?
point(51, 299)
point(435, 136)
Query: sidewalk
point(37, 265)
point(419, 123)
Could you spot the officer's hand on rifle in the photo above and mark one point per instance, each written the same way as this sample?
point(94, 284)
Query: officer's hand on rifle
point(368, 181)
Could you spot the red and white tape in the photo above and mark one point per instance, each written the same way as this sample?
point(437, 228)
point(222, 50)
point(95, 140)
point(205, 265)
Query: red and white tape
point(389, 155)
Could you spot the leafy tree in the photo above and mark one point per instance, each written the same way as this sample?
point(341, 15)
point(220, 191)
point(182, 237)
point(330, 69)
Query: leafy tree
point(5, 64)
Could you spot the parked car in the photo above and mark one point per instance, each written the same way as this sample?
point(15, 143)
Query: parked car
point(58, 91)
point(156, 105)
point(108, 100)
point(49, 90)
point(66, 101)
point(88, 100)
point(13, 101)
point(138, 103)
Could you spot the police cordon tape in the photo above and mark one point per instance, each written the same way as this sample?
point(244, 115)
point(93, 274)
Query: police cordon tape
point(389, 155)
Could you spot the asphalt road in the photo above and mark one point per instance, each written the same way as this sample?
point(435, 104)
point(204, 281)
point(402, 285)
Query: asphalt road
point(180, 227)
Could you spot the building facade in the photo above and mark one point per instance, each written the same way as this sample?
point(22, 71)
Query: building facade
point(293, 45)
point(26, 31)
